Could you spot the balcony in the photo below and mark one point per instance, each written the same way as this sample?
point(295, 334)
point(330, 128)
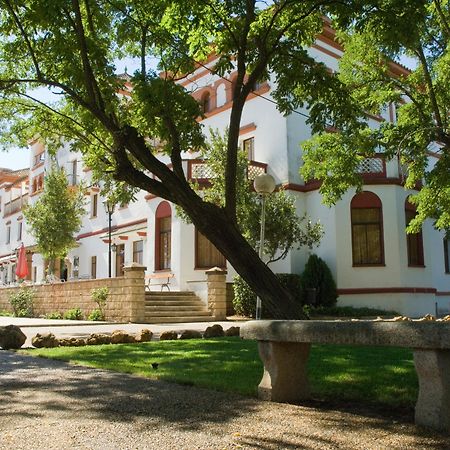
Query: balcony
point(373, 167)
point(15, 205)
point(200, 171)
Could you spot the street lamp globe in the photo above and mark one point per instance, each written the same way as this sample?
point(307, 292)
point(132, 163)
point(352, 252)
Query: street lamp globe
point(264, 184)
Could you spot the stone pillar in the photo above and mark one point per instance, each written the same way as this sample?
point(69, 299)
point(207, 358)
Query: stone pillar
point(217, 292)
point(134, 292)
point(433, 402)
point(285, 377)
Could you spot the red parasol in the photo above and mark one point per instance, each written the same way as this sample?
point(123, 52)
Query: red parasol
point(22, 266)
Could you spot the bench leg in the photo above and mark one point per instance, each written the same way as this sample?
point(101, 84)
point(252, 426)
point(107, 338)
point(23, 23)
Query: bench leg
point(285, 377)
point(433, 403)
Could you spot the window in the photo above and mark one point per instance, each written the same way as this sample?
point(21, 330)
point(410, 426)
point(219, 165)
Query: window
point(19, 230)
point(447, 254)
point(414, 242)
point(249, 148)
point(206, 254)
point(367, 229)
point(163, 236)
point(138, 252)
point(93, 267)
point(205, 103)
point(8, 234)
point(94, 205)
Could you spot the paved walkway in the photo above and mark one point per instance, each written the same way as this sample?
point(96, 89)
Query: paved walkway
point(47, 404)
point(78, 328)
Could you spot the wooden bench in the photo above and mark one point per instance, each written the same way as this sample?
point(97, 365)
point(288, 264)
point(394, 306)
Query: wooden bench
point(160, 279)
point(284, 347)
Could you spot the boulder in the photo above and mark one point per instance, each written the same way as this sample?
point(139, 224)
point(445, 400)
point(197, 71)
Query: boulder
point(214, 331)
point(168, 336)
point(191, 334)
point(144, 335)
point(47, 340)
point(121, 337)
point(98, 339)
point(232, 331)
point(11, 337)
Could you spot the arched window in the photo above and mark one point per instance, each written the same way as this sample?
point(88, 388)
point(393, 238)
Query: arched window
point(163, 236)
point(221, 95)
point(414, 241)
point(205, 103)
point(367, 229)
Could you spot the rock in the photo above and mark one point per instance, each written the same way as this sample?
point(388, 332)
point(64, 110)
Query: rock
point(232, 331)
point(168, 336)
point(98, 339)
point(121, 337)
point(401, 319)
point(445, 318)
point(47, 340)
point(144, 336)
point(427, 318)
point(11, 336)
point(191, 334)
point(214, 331)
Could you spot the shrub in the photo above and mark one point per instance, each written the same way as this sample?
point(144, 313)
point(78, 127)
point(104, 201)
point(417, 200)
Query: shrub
point(6, 313)
point(244, 301)
point(21, 301)
point(96, 315)
point(317, 275)
point(350, 311)
point(73, 314)
point(100, 296)
point(53, 315)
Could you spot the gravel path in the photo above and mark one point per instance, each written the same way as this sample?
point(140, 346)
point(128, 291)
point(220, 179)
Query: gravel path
point(47, 404)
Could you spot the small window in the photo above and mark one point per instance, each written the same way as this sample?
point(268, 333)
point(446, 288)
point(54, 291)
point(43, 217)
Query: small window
point(447, 254)
point(94, 205)
point(93, 267)
point(414, 241)
point(367, 229)
point(248, 146)
point(19, 230)
point(205, 103)
point(138, 252)
point(8, 234)
point(206, 254)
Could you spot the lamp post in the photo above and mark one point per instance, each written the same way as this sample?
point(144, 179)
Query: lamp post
point(109, 208)
point(264, 185)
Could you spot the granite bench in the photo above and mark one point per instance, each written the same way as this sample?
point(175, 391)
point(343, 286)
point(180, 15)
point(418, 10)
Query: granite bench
point(284, 349)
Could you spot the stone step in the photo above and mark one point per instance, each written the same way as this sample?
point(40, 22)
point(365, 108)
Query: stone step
point(150, 309)
point(172, 298)
point(173, 303)
point(170, 294)
point(176, 313)
point(180, 319)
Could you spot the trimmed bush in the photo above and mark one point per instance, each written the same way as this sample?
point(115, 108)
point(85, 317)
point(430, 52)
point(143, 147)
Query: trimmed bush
point(73, 314)
point(244, 302)
point(99, 296)
point(53, 315)
point(317, 275)
point(96, 315)
point(21, 301)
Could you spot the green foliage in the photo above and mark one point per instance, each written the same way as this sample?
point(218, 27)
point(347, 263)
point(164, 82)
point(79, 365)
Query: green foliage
point(55, 217)
point(96, 315)
point(21, 300)
point(317, 275)
point(244, 300)
point(5, 313)
point(99, 296)
point(349, 311)
point(420, 98)
point(53, 315)
point(73, 314)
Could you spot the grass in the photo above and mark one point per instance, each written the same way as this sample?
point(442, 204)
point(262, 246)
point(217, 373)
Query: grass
point(375, 375)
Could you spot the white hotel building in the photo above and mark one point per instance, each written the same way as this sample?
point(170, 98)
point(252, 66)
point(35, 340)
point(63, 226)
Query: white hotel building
point(373, 261)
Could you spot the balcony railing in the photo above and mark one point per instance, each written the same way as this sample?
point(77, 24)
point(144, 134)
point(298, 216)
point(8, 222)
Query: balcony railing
point(15, 205)
point(373, 167)
point(200, 171)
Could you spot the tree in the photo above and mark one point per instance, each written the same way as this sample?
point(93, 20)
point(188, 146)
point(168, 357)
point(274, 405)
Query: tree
point(284, 229)
point(374, 36)
point(69, 46)
point(55, 217)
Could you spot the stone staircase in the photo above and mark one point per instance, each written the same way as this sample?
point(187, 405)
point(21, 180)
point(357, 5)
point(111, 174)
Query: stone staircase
point(175, 307)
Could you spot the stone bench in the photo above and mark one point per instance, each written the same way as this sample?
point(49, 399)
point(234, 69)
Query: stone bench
point(284, 349)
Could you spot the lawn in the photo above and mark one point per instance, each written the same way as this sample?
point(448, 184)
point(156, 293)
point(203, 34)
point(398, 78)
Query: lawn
point(378, 375)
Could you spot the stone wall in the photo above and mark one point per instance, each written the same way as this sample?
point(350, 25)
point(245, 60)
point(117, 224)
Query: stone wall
point(126, 300)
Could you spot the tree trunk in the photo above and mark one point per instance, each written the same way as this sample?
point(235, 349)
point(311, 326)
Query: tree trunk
point(213, 223)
